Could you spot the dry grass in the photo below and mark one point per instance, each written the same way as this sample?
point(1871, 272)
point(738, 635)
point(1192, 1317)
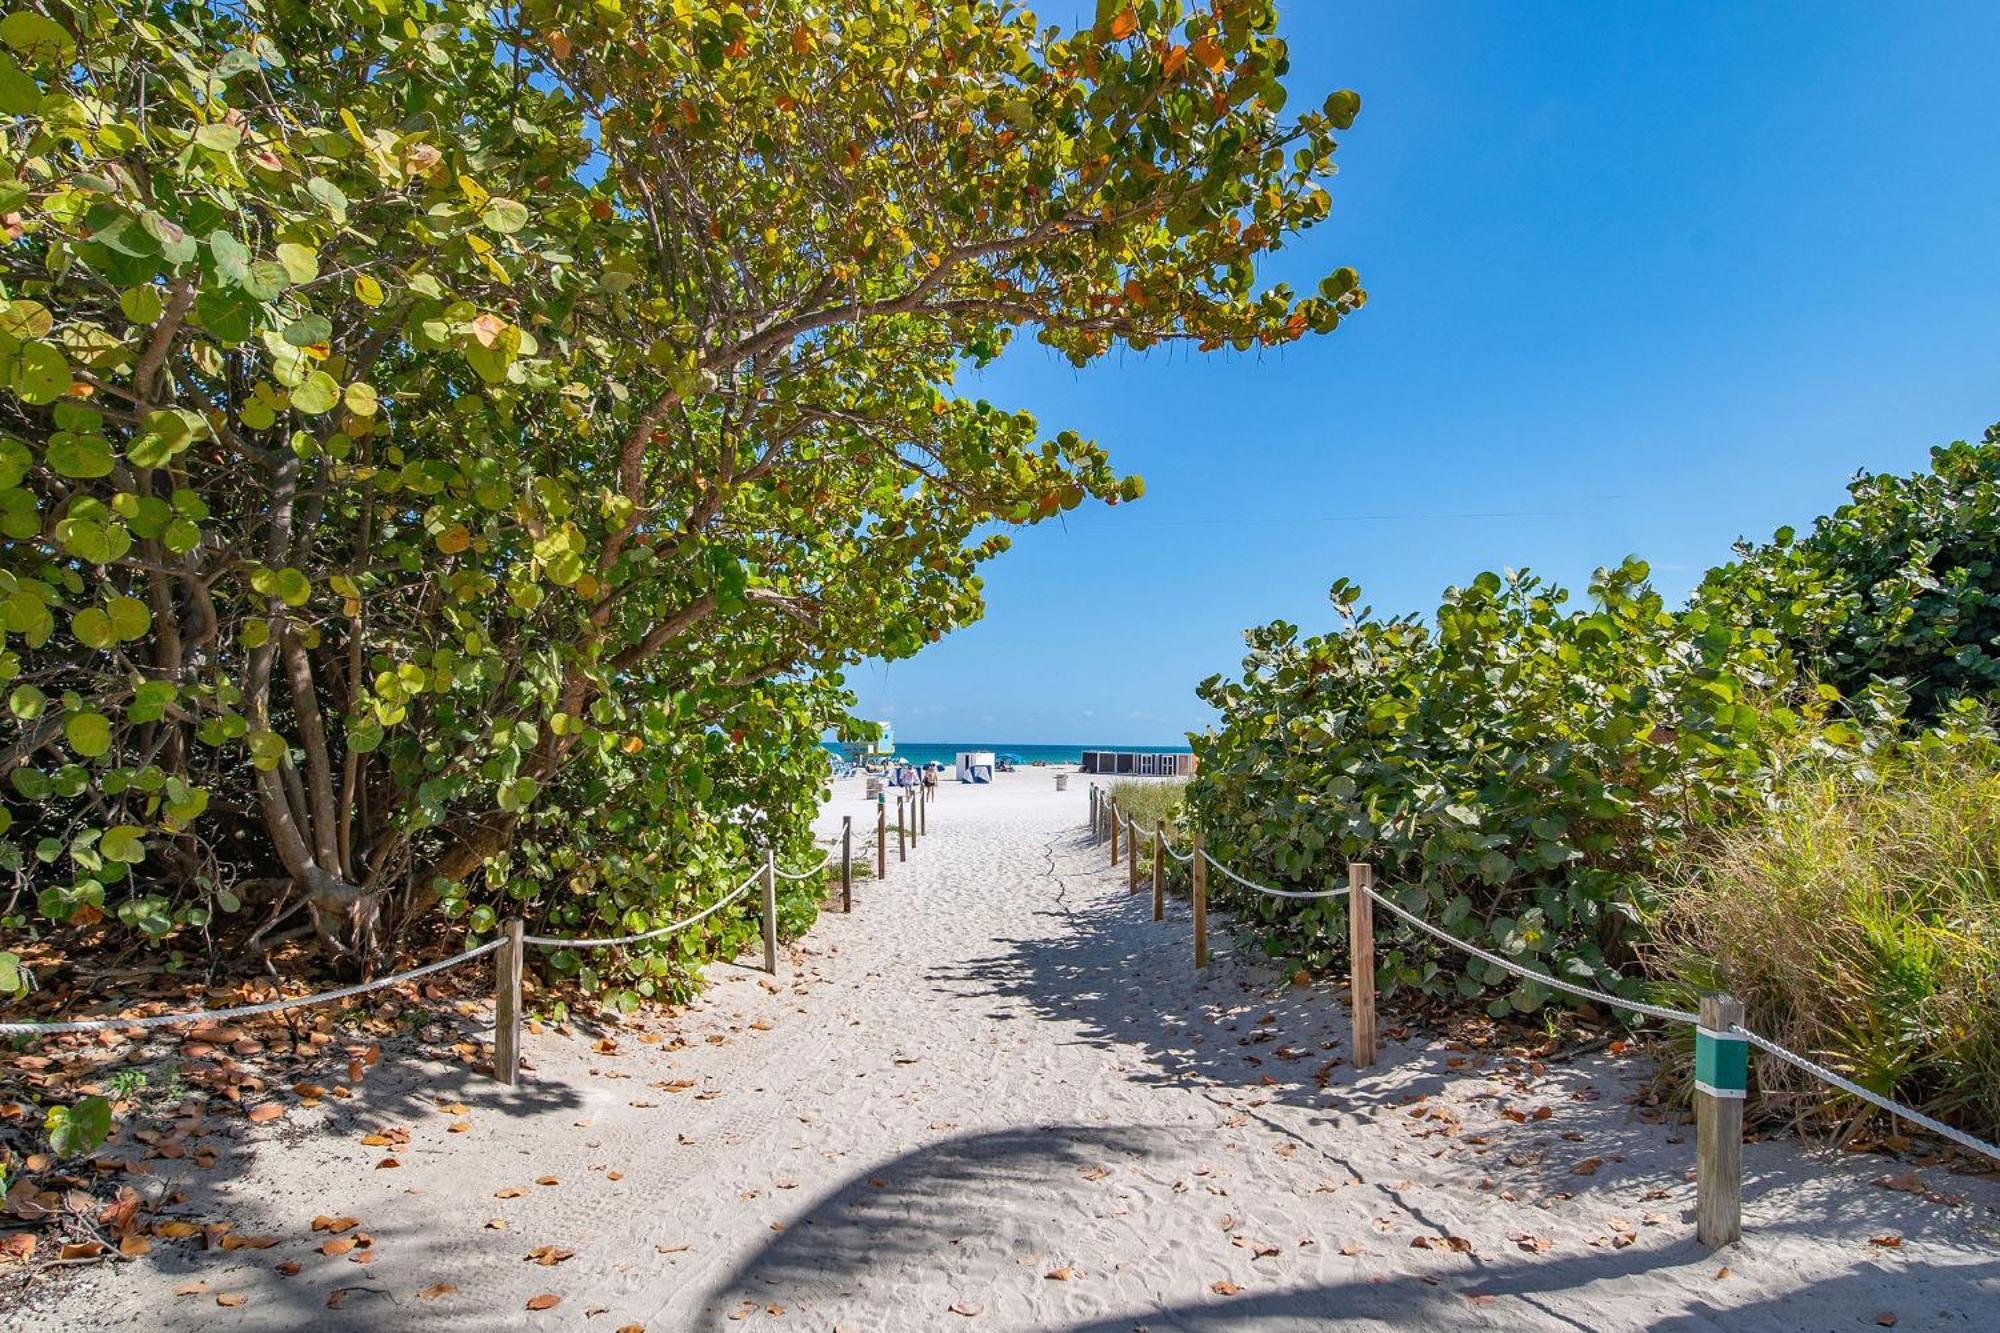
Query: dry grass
point(1859, 923)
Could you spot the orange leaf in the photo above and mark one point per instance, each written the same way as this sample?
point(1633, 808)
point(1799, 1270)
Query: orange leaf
point(230, 1299)
point(265, 1111)
point(545, 1301)
point(1207, 52)
point(1124, 25)
point(1224, 1287)
point(436, 1290)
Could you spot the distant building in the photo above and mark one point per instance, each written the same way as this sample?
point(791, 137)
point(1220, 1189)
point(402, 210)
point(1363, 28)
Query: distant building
point(1127, 763)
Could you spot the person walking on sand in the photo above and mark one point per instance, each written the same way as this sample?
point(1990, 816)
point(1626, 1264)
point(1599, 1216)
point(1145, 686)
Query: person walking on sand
point(930, 780)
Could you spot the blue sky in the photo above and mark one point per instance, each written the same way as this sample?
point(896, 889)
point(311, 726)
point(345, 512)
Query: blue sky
point(1642, 278)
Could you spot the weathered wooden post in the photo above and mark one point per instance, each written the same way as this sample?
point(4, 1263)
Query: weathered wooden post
point(507, 1002)
point(1114, 832)
point(771, 911)
point(1361, 960)
point(1721, 1077)
point(881, 837)
point(1093, 812)
point(1131, 855)
point(1200, 867)
point(902, 843)
point(1159, 869)
point(847, 863)
point(916, 812)
point(924, 809)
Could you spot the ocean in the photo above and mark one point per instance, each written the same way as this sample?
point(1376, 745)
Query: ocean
point(946, 752)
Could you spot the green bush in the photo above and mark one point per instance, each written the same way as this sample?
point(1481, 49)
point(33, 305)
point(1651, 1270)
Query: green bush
point(1859, 922)
point(1514, 771)
point(1901, 583)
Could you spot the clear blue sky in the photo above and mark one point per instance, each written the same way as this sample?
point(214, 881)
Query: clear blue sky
point(1642, 278)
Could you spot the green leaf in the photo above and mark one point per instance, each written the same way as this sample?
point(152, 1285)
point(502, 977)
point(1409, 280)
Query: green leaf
point(504, 215)
point(78, 1129)
point(40, 39)
point(123, 843)
point(318, 392)
point(80, 456)
point(88, 733)
point(39, 374)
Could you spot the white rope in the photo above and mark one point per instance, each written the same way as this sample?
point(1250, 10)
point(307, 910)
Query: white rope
point(1267, 889)
point(1583, 992)
point(1826, 1075)
point(246, 1010)
point(551, 942)
point(811, 870)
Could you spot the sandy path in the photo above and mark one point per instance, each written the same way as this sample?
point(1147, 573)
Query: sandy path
point(1000, 1069)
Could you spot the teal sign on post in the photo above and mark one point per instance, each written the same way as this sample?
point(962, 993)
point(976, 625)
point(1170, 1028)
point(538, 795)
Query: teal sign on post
point(1721, 1063)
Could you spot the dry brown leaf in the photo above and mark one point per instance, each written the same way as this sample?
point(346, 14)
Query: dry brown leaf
point(1224, 1287)
point(230, 1299)
point(1587, 1167)
point(1888, 1241)
point(548, 1300)
point(132, 1247)
point(335, 1224)
point(548, 1180)
point(509, 1193)
point(337, 1246)
point(387, 1162)
point(262, 1112)
point(1351, 1249)
point(435, 1290)
point(548, 1256)
point(496, 1224)
point(1057, 1275)
point(290, 1267)
point(191, 1288)
point(966, 1308)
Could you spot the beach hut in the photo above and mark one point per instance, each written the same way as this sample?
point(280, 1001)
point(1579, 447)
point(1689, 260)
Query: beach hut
point(975, 766)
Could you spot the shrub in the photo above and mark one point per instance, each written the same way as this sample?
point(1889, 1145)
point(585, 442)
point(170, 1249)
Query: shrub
point(1513, 771)
point(1901, 583)
point(1858, 919)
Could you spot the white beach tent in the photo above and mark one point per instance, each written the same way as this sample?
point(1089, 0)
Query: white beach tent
point(975, 766)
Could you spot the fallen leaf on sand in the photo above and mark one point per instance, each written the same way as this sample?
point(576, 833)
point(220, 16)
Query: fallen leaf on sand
point(1886, 1319)
point(262, 1112)
point(338, 1246)
point(289, 1268)
point(1888, 1241)
point(496, 1224)
point(1587, 1167)
point(335, 1224)
point(436, 1290)
point(1351, 1249)
point(548, 1256)
point(230, 1299)
point(1057, 1275)
point(190, 1288)
point(1224, 1287)
point(548, 1180)
point(546, 1301)
point(673, 1249)
point(509, 1193)
point(133, 1247)
point(387, 1162)
point(966, 1308)
point(1094, 1173)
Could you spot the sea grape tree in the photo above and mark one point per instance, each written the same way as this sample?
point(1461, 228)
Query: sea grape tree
point(451, 451)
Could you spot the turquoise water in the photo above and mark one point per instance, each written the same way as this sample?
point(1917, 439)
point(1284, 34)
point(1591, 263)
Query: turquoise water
point(946, 752)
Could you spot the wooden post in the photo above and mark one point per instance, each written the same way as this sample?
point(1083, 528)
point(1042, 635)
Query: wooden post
point(916, 806)
point(507, 1003)
point(1159, 869)
point(924, 809)
point(847, 863)
point(1361, 960)
point(1093, 812)
point(881, 837)
point(902, 836)
point(1114, 833)
point(1200, 904)
point(1131, 855)
point(771, 912)
point(1721, 1076)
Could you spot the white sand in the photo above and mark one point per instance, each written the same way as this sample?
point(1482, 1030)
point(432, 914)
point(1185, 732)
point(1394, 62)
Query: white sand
point(1000, 1068)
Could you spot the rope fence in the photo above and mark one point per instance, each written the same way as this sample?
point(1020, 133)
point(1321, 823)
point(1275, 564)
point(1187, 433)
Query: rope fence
point(512, 940)
point(1721, 1041)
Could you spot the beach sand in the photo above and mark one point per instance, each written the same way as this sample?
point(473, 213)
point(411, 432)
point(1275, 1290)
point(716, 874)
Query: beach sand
point(997, 1096)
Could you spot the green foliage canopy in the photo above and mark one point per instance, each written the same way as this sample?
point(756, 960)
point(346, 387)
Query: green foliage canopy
point(447, 454)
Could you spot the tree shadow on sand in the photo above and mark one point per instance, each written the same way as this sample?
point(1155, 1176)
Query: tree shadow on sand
point(979, 1205)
